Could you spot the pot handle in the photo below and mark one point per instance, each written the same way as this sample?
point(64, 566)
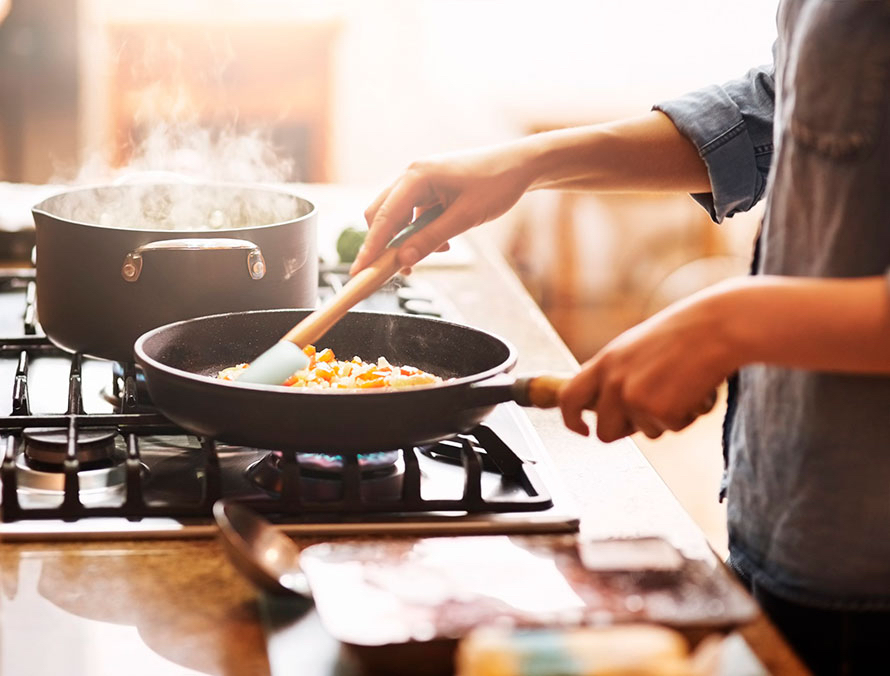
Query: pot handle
point(539, 391)
point(256, 264)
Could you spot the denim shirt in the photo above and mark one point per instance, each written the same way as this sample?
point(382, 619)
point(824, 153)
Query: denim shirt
point(808, 473)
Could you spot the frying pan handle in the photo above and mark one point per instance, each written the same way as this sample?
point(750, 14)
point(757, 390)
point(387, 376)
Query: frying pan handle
point(540, 391)
point(256, 264)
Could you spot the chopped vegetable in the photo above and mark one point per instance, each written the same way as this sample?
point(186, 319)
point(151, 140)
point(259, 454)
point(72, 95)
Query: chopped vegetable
point(326, 372)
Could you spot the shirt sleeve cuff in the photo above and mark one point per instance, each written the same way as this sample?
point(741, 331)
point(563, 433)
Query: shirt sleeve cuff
point(713, 122)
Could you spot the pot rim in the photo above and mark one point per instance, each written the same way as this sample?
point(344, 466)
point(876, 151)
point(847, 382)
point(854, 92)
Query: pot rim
point(41, 207)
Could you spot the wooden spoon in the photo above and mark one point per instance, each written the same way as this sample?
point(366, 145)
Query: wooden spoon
point(286, 357)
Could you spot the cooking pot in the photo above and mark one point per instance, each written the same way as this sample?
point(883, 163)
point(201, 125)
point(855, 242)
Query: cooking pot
point(116, 261)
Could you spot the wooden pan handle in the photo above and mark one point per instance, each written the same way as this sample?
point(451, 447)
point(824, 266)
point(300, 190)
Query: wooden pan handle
point(541, 391)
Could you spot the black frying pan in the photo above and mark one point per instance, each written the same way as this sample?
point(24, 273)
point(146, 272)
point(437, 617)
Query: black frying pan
point(181, 361)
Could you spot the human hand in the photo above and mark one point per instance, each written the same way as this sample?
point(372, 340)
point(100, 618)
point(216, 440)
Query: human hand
point(659, 375)
point(473, 187)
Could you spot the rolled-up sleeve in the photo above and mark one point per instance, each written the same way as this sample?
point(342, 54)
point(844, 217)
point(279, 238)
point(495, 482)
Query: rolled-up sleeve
point(732, 127)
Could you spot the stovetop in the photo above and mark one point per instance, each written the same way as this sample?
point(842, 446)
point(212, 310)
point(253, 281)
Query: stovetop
point(85, 456)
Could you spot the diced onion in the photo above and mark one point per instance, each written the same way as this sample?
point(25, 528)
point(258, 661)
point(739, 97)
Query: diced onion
point(326, 372)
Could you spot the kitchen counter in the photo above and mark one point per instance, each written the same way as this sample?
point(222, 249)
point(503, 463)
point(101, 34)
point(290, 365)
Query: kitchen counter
point(168, 607)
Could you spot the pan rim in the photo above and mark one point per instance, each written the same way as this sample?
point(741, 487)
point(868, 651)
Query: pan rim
point(504, 367)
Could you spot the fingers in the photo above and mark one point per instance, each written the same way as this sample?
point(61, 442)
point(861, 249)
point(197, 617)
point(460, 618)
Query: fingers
point(617, 415)
point(362, 258)
point(580, 394)
point(407, 271)
point(647, 425)
point(683, 418)
point(444, 247)
point(653, 427)
point(708, 403)
point(612, 422)
point(389, 213)
point(372, 209)
point(434, 237)
point(585, 392)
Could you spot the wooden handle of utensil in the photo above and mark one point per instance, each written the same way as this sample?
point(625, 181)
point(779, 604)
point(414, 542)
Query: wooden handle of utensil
point(361, 286)
point(353, 292)
point(541, 391)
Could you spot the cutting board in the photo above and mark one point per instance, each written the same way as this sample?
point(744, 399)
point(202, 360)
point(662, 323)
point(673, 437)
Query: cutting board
point(374, 593)
point(400, 605)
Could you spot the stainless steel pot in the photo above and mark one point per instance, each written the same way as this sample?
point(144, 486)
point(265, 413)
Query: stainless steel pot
point(114, 262)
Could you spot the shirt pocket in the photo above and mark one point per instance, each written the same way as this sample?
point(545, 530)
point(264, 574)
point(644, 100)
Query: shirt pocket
point(839, 72)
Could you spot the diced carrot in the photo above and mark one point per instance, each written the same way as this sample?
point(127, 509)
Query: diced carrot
point(324, 372)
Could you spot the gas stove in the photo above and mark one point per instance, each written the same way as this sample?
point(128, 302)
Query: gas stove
point(85, 456)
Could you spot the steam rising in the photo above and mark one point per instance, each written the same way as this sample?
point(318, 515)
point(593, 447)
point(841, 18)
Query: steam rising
point(182, 144)
point(184, 177)
point(198, 153)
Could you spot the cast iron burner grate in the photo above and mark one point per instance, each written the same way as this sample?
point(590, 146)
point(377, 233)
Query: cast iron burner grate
point(477, 453)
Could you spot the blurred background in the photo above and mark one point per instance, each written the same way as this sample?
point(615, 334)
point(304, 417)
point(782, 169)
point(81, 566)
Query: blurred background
point(351, 91)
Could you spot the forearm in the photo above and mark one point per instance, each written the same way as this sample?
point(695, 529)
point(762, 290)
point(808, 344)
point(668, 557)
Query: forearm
point(840, 325)
point(645, 153)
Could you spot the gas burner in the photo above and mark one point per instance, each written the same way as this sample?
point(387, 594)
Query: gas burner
point(95, 484)
point(137, 473)
point(327, 464)
point(322, 475)
point(47, 447)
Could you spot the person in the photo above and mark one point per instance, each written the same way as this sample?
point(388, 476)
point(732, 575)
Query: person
point(804, 340)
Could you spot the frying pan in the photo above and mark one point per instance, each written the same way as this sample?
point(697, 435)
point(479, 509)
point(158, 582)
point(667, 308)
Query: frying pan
point(181, 361)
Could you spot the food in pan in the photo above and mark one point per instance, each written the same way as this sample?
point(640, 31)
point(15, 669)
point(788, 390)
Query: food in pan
point(326, 372)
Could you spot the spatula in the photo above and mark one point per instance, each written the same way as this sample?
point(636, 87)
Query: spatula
point(283, 359)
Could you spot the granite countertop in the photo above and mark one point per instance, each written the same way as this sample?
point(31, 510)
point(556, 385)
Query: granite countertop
point(168, 607)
